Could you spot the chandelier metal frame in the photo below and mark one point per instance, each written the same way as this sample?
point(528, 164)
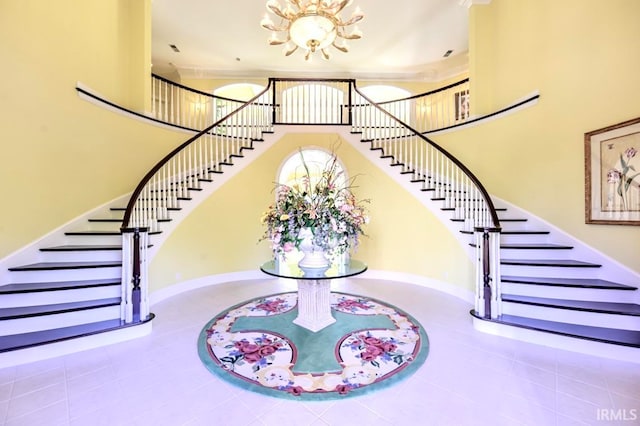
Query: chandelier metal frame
point(312, 25)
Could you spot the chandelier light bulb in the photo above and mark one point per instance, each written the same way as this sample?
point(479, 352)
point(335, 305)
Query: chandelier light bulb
point(311, 25)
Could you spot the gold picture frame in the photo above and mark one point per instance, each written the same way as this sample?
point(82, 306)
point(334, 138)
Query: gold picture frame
point(612, 174)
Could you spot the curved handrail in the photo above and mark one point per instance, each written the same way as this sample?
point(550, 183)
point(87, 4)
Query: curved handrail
point(151, 173)
point(486, 116)
point(96, 98)
point(431, 92)
point(191, 89)
point(449, 156)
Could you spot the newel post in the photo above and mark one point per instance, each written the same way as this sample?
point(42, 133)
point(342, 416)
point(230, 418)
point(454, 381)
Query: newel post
point(488, 303)
point(134, 306)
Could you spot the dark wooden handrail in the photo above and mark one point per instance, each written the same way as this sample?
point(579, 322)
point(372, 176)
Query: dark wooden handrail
point(454, 160)
point(145, 180)
point(190, 89)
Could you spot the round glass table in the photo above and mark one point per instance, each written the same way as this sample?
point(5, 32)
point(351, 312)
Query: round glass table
point(314, 290)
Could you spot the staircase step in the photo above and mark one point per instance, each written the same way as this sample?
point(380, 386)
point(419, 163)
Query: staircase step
point(123, 209)
point(593, 283)
point(26, 340)
point(76, 247)
point(535, 246)
point(102, 233)
point(49, 266)
point(599, 334)
point(563, 263)
point(578, 305)
point(523, 232)
point(98, 233)
point(515, 232)
point(531, 246)
point(19, 288)
point(59, 308)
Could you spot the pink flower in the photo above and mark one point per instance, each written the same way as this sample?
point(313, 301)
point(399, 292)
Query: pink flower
point(366, 356)
point(342, 389)
point(248, 348)
point(296, 390)
point(374, 350)
point(389, 347)
point(630, 152)
point(613, 176)
point(252, 357)
point(288, 246)
point(267, 350)
point(372, 341)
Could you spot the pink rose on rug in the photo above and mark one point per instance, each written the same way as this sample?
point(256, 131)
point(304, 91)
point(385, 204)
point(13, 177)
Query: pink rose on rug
point(272, 306)
point(253, 353)
point(372, 341)
point(267, 350)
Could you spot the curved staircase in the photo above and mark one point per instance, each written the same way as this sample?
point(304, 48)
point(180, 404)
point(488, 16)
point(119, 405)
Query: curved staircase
point(550, 284)
point(70, 298)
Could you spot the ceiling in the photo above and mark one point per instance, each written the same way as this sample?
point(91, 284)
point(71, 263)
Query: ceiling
point(402, 40)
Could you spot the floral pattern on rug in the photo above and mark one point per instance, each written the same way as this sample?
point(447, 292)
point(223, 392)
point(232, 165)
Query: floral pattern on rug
point(267, 359)
point(272, 305)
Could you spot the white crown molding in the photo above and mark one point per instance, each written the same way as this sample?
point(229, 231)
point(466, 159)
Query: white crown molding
point(469, 3)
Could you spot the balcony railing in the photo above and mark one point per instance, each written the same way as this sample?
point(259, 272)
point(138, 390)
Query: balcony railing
point(309, 101)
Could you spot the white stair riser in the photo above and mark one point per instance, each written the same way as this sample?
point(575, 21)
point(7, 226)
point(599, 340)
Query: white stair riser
point(548, 271)
point(534, 254)
point(59, 296)
point(103, 226)
point(569, 293)
point(67, 319)
point(515, 226)
point(81, 256)
point(65, 275)
point(65, 347)
point(94, 239)
point(594, 319)
point(524, 239)
point(599, 349)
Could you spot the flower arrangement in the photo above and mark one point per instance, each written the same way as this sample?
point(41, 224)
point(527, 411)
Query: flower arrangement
point(622, 177)
point(320, 204)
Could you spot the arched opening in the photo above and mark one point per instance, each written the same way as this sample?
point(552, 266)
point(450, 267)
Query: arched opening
point(311, 162)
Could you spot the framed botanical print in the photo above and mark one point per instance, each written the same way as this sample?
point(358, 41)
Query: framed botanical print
point(612, 174)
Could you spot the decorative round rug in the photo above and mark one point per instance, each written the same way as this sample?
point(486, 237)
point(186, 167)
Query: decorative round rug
point(256, 346)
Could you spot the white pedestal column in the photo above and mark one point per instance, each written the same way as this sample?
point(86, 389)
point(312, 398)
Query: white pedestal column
point(314, 304)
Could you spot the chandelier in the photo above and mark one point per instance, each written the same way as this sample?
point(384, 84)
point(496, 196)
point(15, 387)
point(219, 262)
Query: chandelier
point(311, 25)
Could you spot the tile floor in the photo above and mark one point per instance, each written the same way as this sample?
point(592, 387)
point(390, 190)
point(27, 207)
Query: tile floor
point(469, 378)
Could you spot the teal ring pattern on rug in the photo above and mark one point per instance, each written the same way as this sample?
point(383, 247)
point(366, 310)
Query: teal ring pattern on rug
point(256, 346)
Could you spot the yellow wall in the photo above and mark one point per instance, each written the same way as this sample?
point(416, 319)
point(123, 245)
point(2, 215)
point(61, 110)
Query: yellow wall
point(221, 234)
point(583, 57)
point(62, 156)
